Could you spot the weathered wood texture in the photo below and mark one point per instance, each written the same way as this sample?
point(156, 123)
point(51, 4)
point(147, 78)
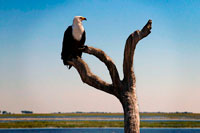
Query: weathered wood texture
point(124, 90)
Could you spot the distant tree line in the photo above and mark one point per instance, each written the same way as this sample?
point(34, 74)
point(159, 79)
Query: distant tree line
point(23, 112)
point(5, 112)
point(27, 112)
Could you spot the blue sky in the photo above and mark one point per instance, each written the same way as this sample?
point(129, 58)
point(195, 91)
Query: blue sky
point(166, 62)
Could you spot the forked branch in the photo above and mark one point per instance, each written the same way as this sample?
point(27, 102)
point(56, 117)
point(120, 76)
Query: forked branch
point(101, 55)
point(129, 77)
point(133, 39)
point(88, 77)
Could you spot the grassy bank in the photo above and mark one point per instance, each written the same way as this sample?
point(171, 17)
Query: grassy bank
point(173, 115)
point(63, 124)
point(74, 124)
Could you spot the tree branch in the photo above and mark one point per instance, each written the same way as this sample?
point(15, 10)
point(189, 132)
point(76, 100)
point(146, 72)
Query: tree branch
point(101, 55)
point(88, 77)
point(133, 39)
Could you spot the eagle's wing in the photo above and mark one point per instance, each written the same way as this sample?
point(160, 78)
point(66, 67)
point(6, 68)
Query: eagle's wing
point(67, 45)
point(83, 38)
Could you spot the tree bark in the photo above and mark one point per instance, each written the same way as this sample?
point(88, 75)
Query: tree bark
point(131, 112)
point(124, 90)
point(129, 99)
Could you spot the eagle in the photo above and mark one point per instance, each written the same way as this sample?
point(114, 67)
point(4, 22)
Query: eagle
point(73, 41)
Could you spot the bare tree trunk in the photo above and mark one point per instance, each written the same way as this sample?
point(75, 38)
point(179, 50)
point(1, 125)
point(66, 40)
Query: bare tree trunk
point(131, 113)
point(124, 90)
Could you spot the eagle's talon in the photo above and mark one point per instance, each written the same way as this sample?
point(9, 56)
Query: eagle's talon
point(85, 47)
point(81, 49)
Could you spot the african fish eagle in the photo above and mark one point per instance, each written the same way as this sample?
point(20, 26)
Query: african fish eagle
point(73, 41)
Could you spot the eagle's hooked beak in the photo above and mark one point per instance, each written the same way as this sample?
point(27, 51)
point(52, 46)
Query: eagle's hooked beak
point(83, 18)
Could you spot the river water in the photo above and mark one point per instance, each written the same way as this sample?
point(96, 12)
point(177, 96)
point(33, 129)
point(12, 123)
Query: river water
point(99, 130)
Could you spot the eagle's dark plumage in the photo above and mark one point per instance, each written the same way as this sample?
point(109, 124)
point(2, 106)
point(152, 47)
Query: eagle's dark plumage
point(71, 46)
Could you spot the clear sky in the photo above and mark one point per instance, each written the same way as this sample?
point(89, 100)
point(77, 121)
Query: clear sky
point(33, 77)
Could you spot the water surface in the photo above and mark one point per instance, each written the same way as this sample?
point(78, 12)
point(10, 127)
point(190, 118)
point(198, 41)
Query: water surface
point(99, 130)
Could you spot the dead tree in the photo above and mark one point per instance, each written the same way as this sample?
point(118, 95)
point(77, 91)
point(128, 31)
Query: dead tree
point(124, 90)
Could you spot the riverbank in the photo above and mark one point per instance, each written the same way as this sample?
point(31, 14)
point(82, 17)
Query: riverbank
point(142, 115)
point(81, 124)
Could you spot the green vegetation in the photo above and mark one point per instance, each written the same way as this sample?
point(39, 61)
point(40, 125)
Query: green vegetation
point(171, 124)
point(64, 124)
point(173, 115)
point(166, 115)
point(73, 124)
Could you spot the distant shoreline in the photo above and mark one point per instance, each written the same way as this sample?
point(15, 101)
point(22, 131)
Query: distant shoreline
point(90, 119)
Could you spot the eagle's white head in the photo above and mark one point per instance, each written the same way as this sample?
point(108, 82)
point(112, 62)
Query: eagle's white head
point(77, 27)
point(78, 19)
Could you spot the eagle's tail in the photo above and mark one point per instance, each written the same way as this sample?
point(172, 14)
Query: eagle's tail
point(69, 66)
point(65, 63)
